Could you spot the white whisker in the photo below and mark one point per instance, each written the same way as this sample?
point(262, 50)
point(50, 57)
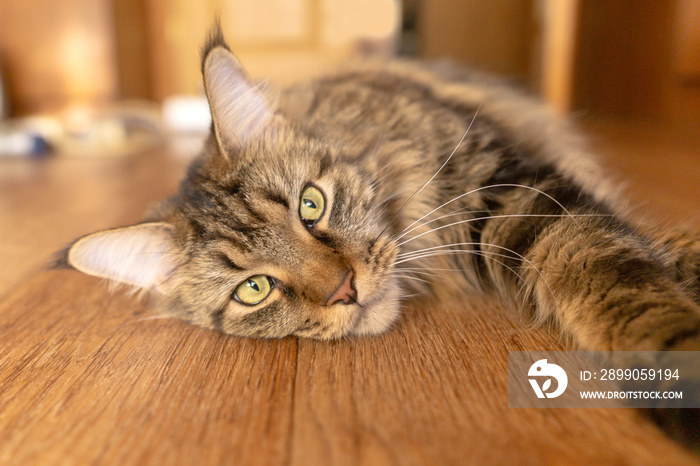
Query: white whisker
point(485, 255)
point(504, 185)
point(405, 277)
point(454, 151)
point(429, 252)
point(498, 216)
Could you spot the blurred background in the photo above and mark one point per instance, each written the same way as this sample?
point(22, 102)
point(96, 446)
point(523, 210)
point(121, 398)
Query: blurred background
point(625, 57)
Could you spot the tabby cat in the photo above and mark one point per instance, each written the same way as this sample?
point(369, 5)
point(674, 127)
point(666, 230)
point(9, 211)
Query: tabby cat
point(316, 215)
point(313, 212)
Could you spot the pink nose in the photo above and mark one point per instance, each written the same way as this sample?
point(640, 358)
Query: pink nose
point(345, 292)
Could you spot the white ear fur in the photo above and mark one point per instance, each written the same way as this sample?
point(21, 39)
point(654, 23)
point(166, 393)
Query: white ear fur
point(139, 255)
point(239, 110)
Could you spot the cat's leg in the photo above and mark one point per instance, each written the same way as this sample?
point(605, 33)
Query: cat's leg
point(602, 282)
point(609, 288)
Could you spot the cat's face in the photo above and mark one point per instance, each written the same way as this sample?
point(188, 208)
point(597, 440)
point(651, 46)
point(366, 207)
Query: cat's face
point(285, 238)
point(272, 233)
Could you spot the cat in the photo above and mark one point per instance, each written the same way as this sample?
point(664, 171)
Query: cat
point(315, 211)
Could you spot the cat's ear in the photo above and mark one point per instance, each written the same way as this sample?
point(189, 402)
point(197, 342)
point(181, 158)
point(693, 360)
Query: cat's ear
point(139, 255)
point(239, 109)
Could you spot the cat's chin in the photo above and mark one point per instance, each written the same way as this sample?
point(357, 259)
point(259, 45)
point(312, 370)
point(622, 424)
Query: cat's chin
point(377, 316)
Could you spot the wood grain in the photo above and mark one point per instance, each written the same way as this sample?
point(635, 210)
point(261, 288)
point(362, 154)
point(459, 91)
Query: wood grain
point(92, 377)
point(45, 204)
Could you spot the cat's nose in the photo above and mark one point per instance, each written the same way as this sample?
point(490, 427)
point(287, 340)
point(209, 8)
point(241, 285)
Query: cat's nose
point(345, 293)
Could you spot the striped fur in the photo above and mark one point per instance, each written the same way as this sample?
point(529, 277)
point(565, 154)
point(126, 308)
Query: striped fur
point(526, 212)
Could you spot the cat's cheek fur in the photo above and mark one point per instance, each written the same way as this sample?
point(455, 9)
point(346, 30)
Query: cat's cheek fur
point(377, 317)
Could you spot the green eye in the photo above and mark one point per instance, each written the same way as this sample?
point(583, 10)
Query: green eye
point(312, 205)
point(254, 290)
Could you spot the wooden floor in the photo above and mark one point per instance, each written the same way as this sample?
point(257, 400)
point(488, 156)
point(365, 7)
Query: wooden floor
point(89, 377)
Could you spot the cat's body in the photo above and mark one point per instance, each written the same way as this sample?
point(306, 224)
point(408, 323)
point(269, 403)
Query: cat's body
point(316, 217)
point(429, 179)
point(401, 122)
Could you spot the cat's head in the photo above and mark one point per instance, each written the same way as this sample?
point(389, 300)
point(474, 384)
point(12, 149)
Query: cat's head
point(273, 232)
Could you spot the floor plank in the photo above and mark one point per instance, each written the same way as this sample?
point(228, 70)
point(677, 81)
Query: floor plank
point(89, 376)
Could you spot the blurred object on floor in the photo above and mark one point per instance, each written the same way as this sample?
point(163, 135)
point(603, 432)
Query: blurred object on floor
point(28, 137)
point(187, 114)
point(187, 120)
point(115, 130)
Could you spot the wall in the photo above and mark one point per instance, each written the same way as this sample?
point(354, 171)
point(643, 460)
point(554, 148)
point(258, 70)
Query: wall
point(496, 35)
point(53, 53)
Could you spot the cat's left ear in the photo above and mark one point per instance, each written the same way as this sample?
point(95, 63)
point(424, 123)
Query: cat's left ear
point(140, 255)
point(239, 109)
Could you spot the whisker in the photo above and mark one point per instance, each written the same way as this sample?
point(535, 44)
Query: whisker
point(419, 271)
point(413, 278)
point(484, 254)
point(413, 295)
point(454, 151)
point(453, 213)
point(429, 252)
point(482, 188)
point(473, 243)
point(499, 216)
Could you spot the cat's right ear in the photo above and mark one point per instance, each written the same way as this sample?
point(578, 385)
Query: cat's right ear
point(140, 255)
point(239, 109)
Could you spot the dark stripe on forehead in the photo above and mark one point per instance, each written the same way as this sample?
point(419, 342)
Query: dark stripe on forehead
point(249, 205)
point(226, 260)
point(234, 187)
point(277, 197)
point(197, 228)
point(325, 164)
point(236, 237)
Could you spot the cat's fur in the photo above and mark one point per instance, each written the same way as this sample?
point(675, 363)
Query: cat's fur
point(539, 224)
point(514, 204)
